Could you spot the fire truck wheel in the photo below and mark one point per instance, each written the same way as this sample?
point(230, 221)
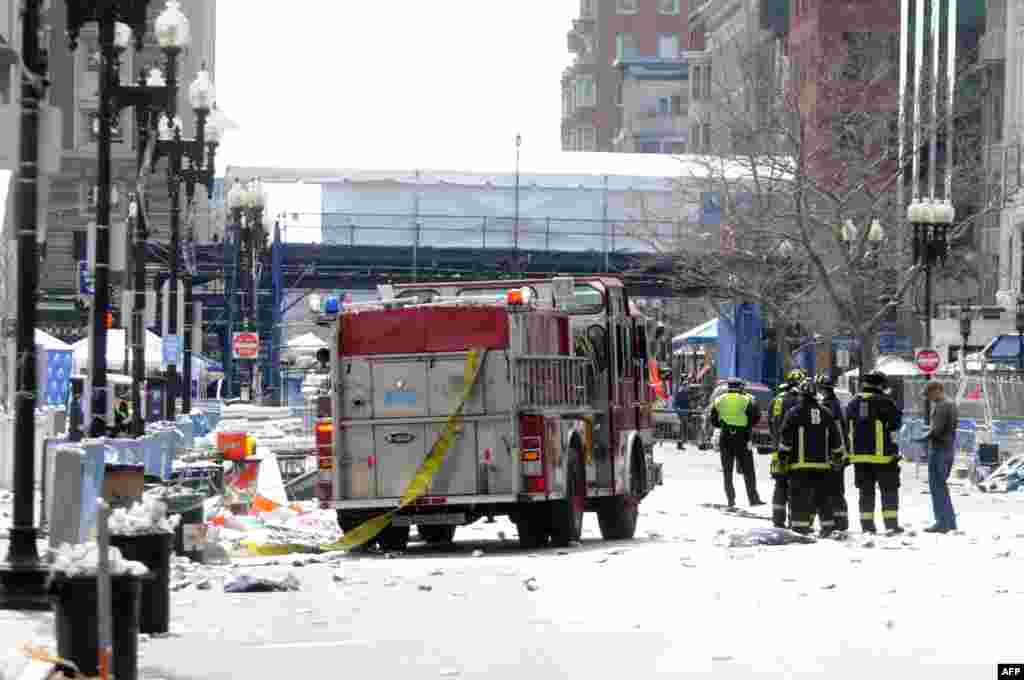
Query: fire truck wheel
point(436, 534)
point(533, 529)
point(393, 539)
point(617, 515)
point(567, 514)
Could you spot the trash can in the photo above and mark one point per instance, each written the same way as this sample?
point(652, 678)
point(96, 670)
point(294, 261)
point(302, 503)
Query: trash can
point(190, 536)
point(154, 551)
point(75, 618)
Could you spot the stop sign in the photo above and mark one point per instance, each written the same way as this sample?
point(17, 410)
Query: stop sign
point(927, 360)
point(246, 345)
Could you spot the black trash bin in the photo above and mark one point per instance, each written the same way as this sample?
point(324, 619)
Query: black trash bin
point(190, 536)
point(154, 551)
point(75, 618)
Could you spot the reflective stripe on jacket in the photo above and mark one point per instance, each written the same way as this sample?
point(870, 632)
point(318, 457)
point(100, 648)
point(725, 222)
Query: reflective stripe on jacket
point(810, 438)
point(873, 420)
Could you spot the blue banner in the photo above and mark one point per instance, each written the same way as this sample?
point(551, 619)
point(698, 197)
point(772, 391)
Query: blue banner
point(711, 208)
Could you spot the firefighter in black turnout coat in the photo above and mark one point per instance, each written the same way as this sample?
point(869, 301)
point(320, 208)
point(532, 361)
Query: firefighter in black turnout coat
point(874, 421)
point(811, 447)
point(840, 512)
point(787, 397)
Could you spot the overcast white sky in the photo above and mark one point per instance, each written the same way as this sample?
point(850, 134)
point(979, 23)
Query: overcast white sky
point(391, 85)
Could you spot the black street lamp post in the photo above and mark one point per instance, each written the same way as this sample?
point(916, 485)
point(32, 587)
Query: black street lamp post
point(23, 581)
point(1020, 332)
point(965, 334)
point(247, 202)
point(190, 161)
point(931, 221)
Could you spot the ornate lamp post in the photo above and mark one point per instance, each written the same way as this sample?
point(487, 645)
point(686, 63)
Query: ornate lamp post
point(190, 161)
point(23, 581)
point(247, 202)
point(861, 258)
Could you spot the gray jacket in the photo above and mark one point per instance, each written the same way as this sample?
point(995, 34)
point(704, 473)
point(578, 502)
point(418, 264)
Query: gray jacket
point(944, 424)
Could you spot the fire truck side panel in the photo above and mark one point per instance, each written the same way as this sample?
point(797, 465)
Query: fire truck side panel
point(458, 473)
point(499, 453)
point(357, 441)
point(446, 387)
point(357, 390)
point(554, 455)
point(399, 387)
point(497, 383)
point(398, 449)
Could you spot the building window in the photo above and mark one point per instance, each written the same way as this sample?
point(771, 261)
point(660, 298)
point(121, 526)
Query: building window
point(626, 6)
point(668, 45)
point(706, 72)
point(677, 147)
point(588, 138)
point(572, 140)
point(586, 8)
point(650, 147)
point(677, 105)
point(626, 46)
point(585, 91)
point(664, 106)
point(79, 244)
point(695, 83)
point(566, 102)
point(668, 6)
point(705, 137)
point(695, 138)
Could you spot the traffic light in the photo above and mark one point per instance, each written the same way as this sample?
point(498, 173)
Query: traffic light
point(108, 319)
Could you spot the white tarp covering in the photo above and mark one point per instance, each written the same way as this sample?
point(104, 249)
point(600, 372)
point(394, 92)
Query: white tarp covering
point(306, 343)
point(116, 352)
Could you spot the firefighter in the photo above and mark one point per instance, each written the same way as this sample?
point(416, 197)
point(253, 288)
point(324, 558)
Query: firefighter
point(837, 480)
point(873, 420)
point(786, 399)
point(735, 413)
point(811, 444)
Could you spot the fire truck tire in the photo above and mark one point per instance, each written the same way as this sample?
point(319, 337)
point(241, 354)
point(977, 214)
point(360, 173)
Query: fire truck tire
point(393, 539)
point(567, 514)
point(617, 515)
point(533, 529)
point(437, 534)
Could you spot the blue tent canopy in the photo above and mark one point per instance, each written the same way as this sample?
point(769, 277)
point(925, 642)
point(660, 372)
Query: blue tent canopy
point(704, 334)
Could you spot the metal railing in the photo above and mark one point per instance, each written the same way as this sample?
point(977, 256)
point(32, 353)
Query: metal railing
point(553, 382)
point(543, 234)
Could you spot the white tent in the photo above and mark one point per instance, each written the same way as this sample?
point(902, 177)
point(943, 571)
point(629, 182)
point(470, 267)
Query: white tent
point(116, 349)
point(48, 342)
point(890, 365)
point(308, 343)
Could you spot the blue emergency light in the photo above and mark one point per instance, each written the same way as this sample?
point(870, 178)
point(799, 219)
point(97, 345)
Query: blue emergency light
point(331, 305)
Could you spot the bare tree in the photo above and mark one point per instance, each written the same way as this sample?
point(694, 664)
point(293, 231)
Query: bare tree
point(804, 159)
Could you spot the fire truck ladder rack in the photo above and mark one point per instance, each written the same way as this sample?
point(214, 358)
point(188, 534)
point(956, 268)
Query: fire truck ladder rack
point(553, 382)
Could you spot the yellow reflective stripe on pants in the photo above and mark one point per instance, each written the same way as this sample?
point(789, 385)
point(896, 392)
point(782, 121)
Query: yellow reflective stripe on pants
point(369, 530)
point(810, 466)
point(799, 525)
point(890, 514)
point(868, 515)
point(870, 458)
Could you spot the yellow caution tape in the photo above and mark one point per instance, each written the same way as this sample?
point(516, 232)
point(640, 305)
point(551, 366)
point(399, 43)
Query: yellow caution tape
point(271, 549)
point(369, 530)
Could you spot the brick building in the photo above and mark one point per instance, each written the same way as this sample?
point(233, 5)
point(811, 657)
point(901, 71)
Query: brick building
point(604, 32)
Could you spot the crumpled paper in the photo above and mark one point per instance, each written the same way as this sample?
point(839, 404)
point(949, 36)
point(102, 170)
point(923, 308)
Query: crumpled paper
point(83, 560)
point(145, 518)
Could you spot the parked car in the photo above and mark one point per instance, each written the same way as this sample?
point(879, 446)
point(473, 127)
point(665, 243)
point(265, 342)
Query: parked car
point(762, 436)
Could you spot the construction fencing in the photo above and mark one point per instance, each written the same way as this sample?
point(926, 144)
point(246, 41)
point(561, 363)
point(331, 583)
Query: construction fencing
point(991, 411)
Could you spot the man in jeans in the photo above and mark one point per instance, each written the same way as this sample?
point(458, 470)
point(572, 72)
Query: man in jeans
point(940, 456)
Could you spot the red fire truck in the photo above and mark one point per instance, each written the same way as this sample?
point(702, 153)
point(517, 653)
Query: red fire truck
point(559, 421)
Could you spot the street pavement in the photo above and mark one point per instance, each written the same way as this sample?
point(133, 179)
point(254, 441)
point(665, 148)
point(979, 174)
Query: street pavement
point(676, 599)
